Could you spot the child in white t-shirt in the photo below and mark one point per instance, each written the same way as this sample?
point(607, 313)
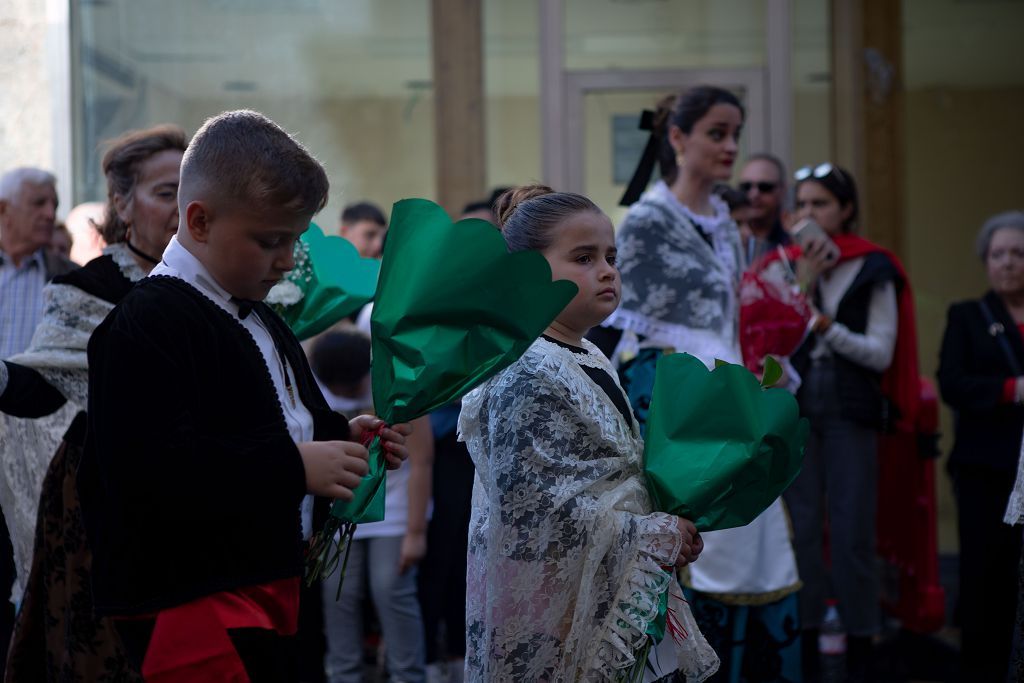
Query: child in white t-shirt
point(385, 553)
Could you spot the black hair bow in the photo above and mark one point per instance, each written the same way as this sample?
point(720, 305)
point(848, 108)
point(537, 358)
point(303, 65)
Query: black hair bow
point(644, 169)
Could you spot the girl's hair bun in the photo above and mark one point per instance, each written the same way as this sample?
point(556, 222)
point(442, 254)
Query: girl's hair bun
point(507, 203)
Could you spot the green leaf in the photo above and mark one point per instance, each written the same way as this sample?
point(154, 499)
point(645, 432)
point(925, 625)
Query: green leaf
point(772, 372)
point(719, 363)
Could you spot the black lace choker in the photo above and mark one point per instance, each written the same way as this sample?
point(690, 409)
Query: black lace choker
point(141, 254)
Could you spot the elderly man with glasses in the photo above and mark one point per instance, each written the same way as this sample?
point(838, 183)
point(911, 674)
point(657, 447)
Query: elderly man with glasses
point(763, 180)
point(28, 208)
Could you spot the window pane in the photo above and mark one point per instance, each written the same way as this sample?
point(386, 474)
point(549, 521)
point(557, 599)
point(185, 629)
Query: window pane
point(350, 78)
point(663, 34)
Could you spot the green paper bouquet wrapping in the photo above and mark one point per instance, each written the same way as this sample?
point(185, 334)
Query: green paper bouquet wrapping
point(330, 281)
point(453, 308)
point(719, 447)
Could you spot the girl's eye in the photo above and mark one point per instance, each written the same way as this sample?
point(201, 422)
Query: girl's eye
point(612, 261)
point(583, 258)
point(716, 135)
point(270, 244)
point(801, 205)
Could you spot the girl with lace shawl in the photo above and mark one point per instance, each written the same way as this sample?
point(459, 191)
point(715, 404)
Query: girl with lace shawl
point(44, 389)
point(568, 564)
point(680, 259)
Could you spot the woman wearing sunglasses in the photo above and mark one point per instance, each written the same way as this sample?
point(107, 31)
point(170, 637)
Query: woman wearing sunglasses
point(859, 370)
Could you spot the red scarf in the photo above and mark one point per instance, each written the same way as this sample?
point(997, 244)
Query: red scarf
point(900, 382)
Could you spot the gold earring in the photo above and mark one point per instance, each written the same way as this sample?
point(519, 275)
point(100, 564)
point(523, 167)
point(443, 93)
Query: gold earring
point(679, 159)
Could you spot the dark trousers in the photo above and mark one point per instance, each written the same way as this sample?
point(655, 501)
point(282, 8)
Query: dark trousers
point(989, 555)
point(442, 577)
point(838, 483)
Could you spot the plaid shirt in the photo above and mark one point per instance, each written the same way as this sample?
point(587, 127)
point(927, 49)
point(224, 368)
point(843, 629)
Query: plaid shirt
point(21, 301)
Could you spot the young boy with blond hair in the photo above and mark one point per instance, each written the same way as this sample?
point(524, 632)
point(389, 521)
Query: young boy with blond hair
point(206, 427)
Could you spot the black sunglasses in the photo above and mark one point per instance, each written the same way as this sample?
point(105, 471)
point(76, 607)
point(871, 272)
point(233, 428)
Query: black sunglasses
point(764, 187)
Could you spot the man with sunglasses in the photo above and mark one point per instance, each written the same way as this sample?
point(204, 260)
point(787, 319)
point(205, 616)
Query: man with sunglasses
point(763, 180)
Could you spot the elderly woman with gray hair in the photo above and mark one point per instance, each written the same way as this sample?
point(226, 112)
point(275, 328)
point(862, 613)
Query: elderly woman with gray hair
point(981, 376)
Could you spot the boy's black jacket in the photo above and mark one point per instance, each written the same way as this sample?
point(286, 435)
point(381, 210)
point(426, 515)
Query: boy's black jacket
point(190, 483)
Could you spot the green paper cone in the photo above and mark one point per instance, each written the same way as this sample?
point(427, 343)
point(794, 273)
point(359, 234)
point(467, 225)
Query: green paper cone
point(719, 449)
point(452, 309)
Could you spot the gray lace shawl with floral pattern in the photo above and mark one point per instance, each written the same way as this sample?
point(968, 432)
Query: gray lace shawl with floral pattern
point(678, 290)
point(58, 352)
point(566, 556)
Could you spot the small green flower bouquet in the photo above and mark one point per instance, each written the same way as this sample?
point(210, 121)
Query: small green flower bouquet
point(330, 281)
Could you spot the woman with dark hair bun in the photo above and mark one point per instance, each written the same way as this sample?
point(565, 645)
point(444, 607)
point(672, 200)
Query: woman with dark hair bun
point(680, 259)
point(57, 637)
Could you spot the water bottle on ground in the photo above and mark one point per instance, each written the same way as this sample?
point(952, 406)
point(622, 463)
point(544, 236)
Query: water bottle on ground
point(832, 645)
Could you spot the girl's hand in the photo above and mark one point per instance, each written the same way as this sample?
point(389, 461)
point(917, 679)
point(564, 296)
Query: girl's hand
point(392, 438)
point(692, 545)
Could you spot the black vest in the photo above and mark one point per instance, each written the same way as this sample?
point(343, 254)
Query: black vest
point(859, 388)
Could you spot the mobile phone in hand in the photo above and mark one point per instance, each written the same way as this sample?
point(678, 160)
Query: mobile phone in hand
point(807, 231)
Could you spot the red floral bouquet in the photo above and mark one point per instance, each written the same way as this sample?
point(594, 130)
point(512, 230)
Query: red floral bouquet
point(774, 313)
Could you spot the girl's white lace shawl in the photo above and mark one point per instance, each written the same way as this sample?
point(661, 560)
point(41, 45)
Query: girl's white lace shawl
point(565, 563)
point(58, 353)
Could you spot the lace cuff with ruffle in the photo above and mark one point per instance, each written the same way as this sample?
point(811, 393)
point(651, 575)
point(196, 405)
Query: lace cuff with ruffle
point(638, 599)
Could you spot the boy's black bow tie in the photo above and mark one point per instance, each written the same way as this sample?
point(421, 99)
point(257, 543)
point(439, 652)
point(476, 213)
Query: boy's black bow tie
point(245, 306)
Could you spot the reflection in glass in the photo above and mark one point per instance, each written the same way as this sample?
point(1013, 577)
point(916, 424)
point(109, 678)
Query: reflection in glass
point(350, 78)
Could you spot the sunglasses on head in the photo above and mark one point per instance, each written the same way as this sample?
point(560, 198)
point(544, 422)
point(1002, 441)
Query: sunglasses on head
point(819, 172)
point(764, 187)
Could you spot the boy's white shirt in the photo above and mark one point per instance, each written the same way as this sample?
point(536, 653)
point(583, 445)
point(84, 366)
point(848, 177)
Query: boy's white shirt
point(180, 263)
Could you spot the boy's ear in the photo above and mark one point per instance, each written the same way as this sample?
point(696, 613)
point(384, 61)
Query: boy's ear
point(197, 220)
